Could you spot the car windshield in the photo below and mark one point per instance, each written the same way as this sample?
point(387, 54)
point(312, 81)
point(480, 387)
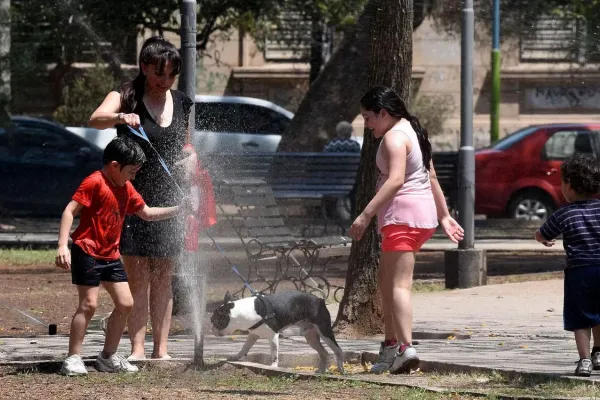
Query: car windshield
point(507, 141)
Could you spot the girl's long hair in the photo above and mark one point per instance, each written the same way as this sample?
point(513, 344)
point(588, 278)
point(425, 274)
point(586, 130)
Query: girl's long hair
point(382, 97)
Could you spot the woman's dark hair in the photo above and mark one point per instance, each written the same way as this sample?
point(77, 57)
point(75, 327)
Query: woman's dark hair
point(155, 51)
point(582, 172)
point(381, 97)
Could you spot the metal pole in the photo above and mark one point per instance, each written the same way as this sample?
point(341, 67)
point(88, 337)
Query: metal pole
point(495, 103)
point(187, 84)
point(466, 185)
point(187, 79)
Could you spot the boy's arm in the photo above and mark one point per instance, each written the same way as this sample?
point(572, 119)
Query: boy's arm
point(157, 213)
point(63, 257)
point(549, 231)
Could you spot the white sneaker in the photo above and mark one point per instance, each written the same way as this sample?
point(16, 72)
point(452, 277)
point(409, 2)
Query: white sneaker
point(134, 358)
point(385, 360)
point(73, 366)
point(405, 362)
point(114, 363)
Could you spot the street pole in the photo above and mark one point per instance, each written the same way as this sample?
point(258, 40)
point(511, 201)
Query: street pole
point(466, 266)
point(466, 184)
point(187, 79)
point(495, 101)
point(187, 84)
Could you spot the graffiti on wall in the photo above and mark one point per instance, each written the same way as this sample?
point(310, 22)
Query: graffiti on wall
point(553, 98)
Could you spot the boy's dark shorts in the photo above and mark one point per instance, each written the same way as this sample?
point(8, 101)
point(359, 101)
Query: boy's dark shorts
point(89, 271)
point(582, 298)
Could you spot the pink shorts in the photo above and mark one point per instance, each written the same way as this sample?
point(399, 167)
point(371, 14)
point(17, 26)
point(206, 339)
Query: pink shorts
point(404, 237)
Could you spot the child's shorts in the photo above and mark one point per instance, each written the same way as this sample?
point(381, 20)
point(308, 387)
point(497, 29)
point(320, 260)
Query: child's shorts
point(582, 298)
point(404, 238)
point(89, 271)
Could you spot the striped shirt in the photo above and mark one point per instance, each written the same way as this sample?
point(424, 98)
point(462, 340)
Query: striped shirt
point(579, 223)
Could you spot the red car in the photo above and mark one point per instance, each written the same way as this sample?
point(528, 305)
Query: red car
point(519, 176)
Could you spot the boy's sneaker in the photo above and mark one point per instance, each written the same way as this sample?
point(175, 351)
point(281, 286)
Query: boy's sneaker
point(596, 360)
point(385, 360)
point(584, 367)
point(114, 363)
point(405, 361)
point(73, 366)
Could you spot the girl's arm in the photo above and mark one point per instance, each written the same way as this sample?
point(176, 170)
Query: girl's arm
point(395, 150)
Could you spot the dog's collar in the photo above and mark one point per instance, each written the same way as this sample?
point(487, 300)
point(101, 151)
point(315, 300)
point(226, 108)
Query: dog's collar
point(269, 314)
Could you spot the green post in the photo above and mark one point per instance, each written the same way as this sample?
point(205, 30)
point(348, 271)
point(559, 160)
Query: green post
point(495, 103)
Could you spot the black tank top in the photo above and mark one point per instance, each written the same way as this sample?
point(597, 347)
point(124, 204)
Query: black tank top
point(152, 181)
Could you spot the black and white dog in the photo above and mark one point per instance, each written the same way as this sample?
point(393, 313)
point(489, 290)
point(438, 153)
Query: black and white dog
point(266, 316)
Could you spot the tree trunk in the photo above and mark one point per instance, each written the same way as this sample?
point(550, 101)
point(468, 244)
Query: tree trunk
point(390, 64)
point(334, 95)
point(316, 48)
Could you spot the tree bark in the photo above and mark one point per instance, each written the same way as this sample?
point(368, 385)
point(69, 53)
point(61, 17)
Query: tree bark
point(334, 95)
point(390, 64)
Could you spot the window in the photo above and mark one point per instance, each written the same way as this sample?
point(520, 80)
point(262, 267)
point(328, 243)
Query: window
point(555, 38)
point(563, 144)
point(239, 118)
point(515, 137)
point(39, 143)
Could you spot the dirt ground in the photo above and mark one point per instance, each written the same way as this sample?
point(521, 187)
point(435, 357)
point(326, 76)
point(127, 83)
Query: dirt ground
point(46, 293)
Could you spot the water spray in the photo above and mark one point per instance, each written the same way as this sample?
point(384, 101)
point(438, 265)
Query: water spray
point(199, 292)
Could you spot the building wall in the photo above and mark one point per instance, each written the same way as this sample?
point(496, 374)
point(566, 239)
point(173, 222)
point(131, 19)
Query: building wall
point(531, 93)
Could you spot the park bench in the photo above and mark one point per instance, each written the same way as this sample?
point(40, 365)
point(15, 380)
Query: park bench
point(324, 179)
point(258, 223)
point(327, 177)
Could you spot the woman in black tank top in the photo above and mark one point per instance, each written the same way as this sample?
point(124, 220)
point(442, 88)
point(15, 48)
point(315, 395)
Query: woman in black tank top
point(150, 249)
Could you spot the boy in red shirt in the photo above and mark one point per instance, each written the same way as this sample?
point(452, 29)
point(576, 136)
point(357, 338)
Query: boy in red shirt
point(103, 198)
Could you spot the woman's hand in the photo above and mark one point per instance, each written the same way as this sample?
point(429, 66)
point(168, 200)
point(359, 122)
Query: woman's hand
point(359, 226)
point(132, 120)
point(452, 229)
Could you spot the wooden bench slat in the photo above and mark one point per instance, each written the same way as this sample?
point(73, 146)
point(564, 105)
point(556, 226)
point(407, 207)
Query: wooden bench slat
point(263, 222)
point(260, 212)
point(255, 201)
point(259, 233)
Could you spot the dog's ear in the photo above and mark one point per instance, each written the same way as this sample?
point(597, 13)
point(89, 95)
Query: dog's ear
point(228, 297)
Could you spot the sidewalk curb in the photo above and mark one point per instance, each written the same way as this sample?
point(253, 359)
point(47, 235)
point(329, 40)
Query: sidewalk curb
point(286, 372)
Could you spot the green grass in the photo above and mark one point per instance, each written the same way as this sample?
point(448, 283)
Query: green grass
point(230, 382)
point(496, 384)
point(18, 257)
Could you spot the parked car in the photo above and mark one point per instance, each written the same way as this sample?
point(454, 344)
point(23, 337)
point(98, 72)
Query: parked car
point(519, 176)
point(230, 124)
point(42, 164)
point(224, 124)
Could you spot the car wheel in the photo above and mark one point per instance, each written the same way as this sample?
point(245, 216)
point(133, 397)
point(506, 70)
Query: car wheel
point(531, 206)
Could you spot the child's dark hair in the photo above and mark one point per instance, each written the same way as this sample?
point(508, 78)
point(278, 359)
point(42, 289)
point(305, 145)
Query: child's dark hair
point(155, 51)
point(125, 151)
point(582, 173)
point(381, 97)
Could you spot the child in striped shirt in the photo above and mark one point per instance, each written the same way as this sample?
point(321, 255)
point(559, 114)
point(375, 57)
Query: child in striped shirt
point(579, 224)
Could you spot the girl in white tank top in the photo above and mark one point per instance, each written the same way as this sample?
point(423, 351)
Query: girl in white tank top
point(409, 203)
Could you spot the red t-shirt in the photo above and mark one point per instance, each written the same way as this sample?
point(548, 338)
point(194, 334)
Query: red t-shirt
point(104, 208)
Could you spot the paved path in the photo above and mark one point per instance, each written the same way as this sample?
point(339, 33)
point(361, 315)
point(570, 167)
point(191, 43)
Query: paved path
point(515, 327)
